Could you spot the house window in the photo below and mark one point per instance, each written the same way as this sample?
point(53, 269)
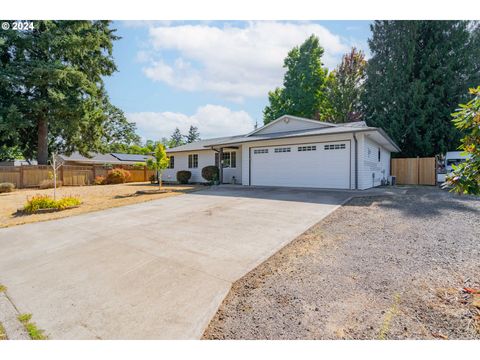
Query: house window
point(260, 151)
point(307, 148)
point(282, 150)
point(229, 159)
point(334, 147)
point(171, 163)
point(379, 154)
point(193, 161)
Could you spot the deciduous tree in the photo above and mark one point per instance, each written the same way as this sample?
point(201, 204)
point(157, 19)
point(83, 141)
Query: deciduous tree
point(303, 92)
point(465, 177)
point(345, 87)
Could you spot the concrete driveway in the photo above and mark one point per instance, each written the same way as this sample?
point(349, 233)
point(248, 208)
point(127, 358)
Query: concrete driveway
point(155, 270)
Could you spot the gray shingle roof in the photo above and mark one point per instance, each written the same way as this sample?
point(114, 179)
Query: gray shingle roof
point(107, 158)
point(203, 144)
point(356, 126)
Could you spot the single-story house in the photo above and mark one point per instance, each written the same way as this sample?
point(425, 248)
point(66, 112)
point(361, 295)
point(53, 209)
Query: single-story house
point(104, 159)
point(295, 152)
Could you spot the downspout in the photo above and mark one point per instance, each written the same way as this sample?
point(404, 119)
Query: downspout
point(356, 161)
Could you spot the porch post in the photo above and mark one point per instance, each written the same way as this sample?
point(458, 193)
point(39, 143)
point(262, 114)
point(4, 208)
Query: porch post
point(220, 165)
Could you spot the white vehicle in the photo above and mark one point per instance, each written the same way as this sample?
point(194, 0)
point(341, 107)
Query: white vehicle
point(453, 158)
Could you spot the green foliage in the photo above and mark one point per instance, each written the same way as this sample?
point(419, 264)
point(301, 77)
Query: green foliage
point(176, 139)
point(193, 134)
point(32, 329)
point(52, 96)
point(39, 202)
point(6, 187)
point(118, 176)
point(210, 173)
point(303, 93)
point(9, 152)
point(183, 176)
point(418, 73)
point(345, 87)
point(159, 162)
point(465, 178)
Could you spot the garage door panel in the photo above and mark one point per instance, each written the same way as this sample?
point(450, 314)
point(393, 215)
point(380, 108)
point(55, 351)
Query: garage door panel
point(318, 168)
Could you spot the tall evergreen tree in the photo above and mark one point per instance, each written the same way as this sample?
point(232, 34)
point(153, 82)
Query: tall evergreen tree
point(345, 87)
point(53, 95)
point(176, 139)
point(193, 134)
point(418, 73)
point(303, 93)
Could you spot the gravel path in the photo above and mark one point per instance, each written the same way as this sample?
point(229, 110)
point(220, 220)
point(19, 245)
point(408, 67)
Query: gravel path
point(387, 267)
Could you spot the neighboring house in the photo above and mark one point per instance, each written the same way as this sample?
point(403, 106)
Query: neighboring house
point(104, 159)
point(293, 151)
point(18, 162)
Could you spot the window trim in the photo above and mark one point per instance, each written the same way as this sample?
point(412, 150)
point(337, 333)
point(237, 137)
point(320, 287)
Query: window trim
point(193, 161)
point(232, 159)
point(171, 162)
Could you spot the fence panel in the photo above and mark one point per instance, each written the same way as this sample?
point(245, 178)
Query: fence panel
point(77, 175)
point(405, 170)
point(427, 171)
point(71, 175)
point(138, 175)
point(414, 171)
point(34, 175)
point(11, 175)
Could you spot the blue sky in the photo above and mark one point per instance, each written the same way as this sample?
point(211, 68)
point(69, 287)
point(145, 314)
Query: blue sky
point(214, 75)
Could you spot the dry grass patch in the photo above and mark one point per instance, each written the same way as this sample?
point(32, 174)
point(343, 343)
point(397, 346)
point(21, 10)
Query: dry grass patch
point(94, 198)
point(33, 331)
point(3, 333)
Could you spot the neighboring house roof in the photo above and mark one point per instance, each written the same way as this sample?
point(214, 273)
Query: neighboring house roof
point(323, 129)
point(108, 158)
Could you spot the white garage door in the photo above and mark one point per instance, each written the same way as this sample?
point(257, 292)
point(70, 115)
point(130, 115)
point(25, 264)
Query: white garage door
point(322, 165)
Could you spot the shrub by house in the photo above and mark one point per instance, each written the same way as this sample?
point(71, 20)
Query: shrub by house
point(183, 176)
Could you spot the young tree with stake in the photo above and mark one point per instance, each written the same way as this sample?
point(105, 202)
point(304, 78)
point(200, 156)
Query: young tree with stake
point(159, 162)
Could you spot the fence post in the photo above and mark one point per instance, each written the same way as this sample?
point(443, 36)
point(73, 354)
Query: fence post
point(145, 173)
point(21, 177)
point(418, 170)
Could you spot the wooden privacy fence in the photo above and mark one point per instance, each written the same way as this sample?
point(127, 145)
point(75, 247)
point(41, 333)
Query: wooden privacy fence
point(70, 175)
point(414, 171)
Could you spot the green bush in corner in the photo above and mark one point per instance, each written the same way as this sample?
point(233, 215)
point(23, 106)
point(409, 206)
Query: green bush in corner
point(183, 176)
point(210, 173)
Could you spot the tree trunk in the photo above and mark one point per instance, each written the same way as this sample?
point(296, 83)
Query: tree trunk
point(42, 147)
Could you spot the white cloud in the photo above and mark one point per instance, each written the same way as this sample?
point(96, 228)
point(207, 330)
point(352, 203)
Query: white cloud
point(211, 120)
point(236, 62)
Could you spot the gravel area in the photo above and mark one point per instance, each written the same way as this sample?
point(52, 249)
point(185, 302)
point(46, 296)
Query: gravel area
point(381, 267)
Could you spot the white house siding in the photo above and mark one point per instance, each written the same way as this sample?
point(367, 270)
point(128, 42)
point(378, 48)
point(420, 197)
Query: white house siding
point(298, 141)
point(205, 158)
point(229, 173)
point(369, 164)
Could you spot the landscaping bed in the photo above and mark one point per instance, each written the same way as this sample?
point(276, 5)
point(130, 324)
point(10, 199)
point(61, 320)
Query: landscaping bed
point(93, 198)
point(390, 267)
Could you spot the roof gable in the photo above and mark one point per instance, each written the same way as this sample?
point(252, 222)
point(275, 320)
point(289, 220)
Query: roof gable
point(288, 123)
